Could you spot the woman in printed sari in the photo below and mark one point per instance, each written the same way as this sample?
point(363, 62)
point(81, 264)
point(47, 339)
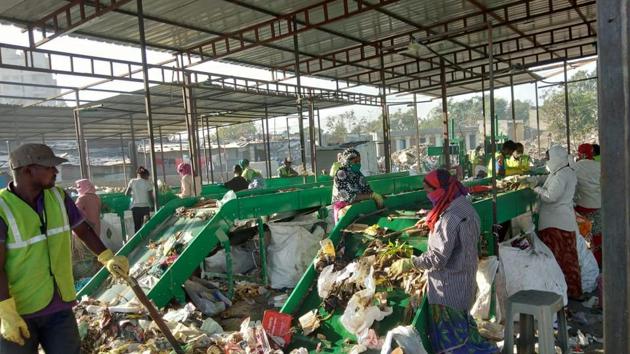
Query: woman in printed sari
point(451, 265)
point(350, 186)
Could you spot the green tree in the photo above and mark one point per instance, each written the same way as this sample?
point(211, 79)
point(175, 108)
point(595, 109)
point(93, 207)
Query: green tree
point(582, 109)
point(340, 125)
point(237, 131)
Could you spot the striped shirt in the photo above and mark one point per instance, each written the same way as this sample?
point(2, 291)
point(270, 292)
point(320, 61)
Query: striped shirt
point(451, 259)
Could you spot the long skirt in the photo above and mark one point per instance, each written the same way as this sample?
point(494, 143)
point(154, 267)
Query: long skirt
point(564, 247)
point(595, 217)
point(453, 331)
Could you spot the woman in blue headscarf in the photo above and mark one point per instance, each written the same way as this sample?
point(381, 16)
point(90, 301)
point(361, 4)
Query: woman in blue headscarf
point(350, 185)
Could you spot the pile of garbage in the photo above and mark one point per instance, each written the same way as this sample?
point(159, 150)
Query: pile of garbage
point(408, 159)
point(360, 289)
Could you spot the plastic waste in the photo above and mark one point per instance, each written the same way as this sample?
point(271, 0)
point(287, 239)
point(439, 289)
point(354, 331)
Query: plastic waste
point(209, 301)
point(210, 327)
point(226, 198)
point(406, 337)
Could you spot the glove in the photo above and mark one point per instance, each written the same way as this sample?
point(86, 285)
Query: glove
point(13, 327)
point(116, 265)
point(532, 181)
point(539, 190)
point(401, 266)
point(378, 199)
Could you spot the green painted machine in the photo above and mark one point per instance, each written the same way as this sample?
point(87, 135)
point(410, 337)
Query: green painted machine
point(206, 235)
point(304, 297)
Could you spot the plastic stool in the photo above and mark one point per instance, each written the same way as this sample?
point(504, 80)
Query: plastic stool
point(541, 305)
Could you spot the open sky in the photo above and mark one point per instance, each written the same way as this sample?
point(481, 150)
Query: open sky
point(16, 36)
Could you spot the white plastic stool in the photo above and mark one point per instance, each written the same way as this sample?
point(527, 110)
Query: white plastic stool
point(541, 305)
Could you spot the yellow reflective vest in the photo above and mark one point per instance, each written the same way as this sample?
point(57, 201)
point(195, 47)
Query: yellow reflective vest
point(37, 259)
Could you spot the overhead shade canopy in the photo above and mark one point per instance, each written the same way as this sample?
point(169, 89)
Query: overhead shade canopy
point(345, 39)
point(108, 118)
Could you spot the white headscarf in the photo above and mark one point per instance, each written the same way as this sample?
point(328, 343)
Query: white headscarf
point(558, 158)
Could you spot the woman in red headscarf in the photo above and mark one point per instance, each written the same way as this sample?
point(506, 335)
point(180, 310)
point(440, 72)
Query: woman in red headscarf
point(588, 195)
point(450, 263)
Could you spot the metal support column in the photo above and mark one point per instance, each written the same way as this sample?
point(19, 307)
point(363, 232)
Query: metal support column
point(87, 159)
point(483, 103)
point(191, 126)
point(80, 140)
point(162, 156)
point(311, 136)
point(319, 129)
point(386, 147)
point(537, 119)
point(124, 163)
point(223, 173)
point(300, 104)
point(210, 151)
point(181, 146)
point(613, 22)
point(268, 138)
point(513, 108)
point(417, 124)
point(289, 137)
point(447, 144)
point(133, 149)
point(147, 100)
point(264, 139)
point(493, 138)
point(205, 148)
point(566, 107)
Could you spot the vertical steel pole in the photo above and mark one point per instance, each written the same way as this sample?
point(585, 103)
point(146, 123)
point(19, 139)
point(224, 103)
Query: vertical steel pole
point(122, 153)
point(220, 159)
point(566, 107)
point(87, 159)
point(311, 133)
point(210, 151)
point(268, 138)
point(417, 123)
point(181, 146)
point(446, 148)
point(513, 108)
point(147, 100)
point(80, 139)
point(613, 22)
point(319, 129)
point(205, 149)
point(264, 139)
point(385, 108)
point(483, 103)
point(133, 153)
point(537, 119)
point(289, 137)
point(300, 104)
point(493, 138)
point(44, 139)
point(162, 155)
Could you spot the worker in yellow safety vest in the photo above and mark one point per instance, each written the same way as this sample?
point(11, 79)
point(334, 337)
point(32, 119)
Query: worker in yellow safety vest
point(335, 166)
point(286, 170)
point(501, 157)
point(518, 163)
point(248, 173)
point(36, 282)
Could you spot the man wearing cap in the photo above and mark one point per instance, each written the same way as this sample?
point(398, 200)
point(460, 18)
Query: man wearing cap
point(36, 283)
point(285, 170)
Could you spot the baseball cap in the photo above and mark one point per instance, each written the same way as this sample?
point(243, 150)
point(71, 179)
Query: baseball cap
point(34, 154)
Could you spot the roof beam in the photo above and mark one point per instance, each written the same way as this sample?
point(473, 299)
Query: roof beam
point(508, 48)
point(433, 33)
point(311, 17)
point(67, 19)
point(582, 16)
point(492, 14)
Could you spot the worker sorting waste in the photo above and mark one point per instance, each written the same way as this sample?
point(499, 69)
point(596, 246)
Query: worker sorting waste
point(37, 290)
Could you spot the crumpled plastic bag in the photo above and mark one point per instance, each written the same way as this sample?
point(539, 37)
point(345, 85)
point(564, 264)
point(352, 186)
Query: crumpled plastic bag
point(210, 327)
point(359, 315)
point(209, 301)
point(226, 198)
point(407, 339)
point(486, 272)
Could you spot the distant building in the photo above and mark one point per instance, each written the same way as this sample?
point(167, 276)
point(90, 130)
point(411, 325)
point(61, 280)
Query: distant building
point(401, 140)
point(10, 94)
